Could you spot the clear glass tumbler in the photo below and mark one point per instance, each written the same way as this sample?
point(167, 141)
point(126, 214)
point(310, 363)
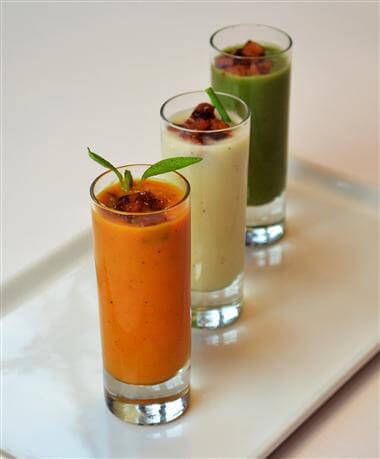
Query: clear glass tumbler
point(143, 273)
point(263, 82)
point(218, 202)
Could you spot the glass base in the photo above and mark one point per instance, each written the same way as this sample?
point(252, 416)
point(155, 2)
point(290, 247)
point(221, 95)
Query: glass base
point(264, 235)
point(217, 308)
point(148, 404)
point(266, 223)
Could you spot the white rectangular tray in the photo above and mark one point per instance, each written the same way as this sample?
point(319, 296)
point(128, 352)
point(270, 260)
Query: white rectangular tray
point(310, 321)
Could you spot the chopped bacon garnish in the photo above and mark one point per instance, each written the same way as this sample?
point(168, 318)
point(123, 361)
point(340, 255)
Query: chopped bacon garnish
point(265, 66)
point(238, 69)
point(252, 49)
point(202, 120)
point(249, 61)
point(192, 137)
point(224, 61)
point(197, 124)
point(216, 124)
point(203, 111)
point(254, 69)
point(141, 201)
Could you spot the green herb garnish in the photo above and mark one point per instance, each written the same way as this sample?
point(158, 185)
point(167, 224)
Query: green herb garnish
point(169, 165)
point(163, 166)
point(126, 182)
point(128, 179)
point(218, 105)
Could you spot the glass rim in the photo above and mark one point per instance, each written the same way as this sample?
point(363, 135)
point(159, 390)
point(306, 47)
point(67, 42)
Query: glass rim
point(211, 131)
point(140, 214)
point(211, 41)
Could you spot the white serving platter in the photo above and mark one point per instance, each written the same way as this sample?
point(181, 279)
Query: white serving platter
point(310, 321)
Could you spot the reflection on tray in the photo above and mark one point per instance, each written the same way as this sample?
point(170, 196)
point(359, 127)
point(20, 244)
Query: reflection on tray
point(268, 256)
point(221, 338)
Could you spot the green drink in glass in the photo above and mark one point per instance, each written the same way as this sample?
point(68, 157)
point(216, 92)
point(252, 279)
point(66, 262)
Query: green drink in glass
point(253, 62)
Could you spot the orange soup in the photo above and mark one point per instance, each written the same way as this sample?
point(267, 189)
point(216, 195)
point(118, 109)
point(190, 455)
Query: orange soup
point(143, 270)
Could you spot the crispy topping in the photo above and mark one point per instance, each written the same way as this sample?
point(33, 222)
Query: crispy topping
point(203, 111)
point(202, 119)
point(255, 64)
point(265, 66)
point(224, 61)
point(239, 69)
point(146, 202)
point(252, 49)
point(254, 69)
point(140, 202)
point(197, 125)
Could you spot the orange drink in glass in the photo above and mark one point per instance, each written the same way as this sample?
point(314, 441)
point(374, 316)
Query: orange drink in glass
point(142, 256)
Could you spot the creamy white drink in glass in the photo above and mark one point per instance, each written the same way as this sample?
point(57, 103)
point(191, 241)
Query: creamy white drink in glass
point(192, 127)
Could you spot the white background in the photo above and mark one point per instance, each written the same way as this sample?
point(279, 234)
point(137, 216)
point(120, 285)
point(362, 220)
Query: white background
point(78, 74)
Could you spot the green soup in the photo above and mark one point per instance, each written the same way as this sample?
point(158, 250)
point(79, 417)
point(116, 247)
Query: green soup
point(268, 98)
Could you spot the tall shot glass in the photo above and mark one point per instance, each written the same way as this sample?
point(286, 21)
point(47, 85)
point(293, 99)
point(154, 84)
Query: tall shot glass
point(143, 273)
point(263, 82)
point(218, 203)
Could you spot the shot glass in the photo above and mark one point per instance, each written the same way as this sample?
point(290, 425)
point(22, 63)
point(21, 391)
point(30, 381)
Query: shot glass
point(143, 273)
point(218, 202)
point(263, 82)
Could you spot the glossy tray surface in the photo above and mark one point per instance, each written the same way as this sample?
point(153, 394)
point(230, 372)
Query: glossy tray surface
point(310, 321)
